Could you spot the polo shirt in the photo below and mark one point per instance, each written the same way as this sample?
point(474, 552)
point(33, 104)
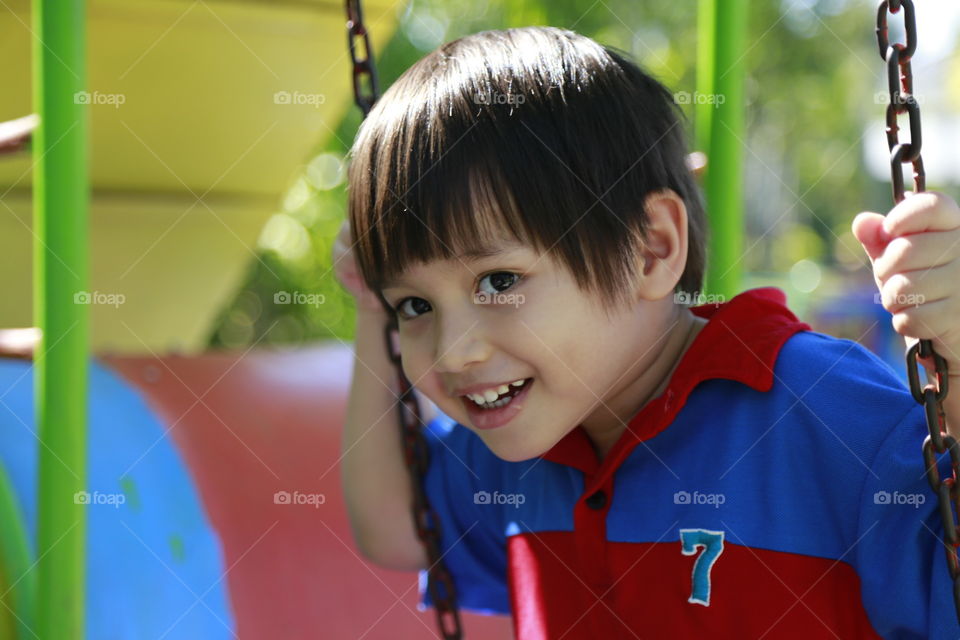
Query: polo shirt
point(774, 489)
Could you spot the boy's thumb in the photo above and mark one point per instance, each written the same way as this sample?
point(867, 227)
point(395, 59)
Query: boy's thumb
point(868, 229)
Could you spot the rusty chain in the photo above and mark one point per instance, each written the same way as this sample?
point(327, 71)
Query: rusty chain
point(362, 67)
point(903, 100)
point(416, 453)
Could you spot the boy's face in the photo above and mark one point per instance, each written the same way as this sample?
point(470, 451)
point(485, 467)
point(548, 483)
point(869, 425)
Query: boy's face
point(519, 315)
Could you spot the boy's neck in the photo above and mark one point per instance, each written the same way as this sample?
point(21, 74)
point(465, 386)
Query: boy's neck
point(603, 437)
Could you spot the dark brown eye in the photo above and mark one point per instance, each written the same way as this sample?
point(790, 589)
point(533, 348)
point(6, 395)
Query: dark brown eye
point(500, 281)
point(417, 304)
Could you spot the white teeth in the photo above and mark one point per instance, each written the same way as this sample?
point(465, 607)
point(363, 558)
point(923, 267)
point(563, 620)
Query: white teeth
point(498, 403)
point(489, 397)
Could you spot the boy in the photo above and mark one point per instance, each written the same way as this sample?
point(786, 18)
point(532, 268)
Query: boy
point(609, 462)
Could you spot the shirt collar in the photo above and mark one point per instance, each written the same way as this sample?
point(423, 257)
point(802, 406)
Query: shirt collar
point(740, 342)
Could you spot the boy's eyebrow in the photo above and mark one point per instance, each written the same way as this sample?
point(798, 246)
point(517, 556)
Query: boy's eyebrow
point(471, 255)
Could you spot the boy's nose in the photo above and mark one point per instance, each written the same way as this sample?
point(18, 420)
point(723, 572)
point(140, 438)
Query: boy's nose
point(458, 345)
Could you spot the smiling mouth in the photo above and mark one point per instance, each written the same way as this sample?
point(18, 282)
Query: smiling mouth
point(503, 400)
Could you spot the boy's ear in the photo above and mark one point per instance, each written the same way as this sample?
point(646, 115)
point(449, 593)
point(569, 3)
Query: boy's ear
point(664, 251)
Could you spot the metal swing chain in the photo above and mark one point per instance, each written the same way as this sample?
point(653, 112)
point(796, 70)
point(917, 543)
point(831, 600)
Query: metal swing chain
point(902, 99)
point(416, 453)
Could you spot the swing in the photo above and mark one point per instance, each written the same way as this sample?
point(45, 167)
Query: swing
point(897, 58)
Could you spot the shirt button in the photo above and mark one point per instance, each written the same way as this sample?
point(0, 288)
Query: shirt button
point(597, 500)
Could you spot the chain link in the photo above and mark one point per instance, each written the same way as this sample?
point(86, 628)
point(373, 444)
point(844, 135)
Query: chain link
point(416, 454)
point(362, 67)
point(902, 100)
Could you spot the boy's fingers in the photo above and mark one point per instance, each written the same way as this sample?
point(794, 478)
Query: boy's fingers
point(917, 251)
point(926, 211)
point(344, 235)
point(868, 229)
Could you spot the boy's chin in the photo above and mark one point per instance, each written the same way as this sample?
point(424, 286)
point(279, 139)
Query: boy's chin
point(511, 451)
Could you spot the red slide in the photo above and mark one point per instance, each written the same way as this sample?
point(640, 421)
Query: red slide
point(260, 432)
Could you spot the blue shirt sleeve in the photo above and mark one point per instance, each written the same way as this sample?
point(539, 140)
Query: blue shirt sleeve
point(472, 542)
point(905, 585)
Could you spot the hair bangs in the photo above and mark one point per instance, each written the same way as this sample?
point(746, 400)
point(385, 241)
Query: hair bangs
point(423, 203)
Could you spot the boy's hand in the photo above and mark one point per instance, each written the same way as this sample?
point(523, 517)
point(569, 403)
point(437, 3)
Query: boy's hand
point(348, 273)
point(915, 254)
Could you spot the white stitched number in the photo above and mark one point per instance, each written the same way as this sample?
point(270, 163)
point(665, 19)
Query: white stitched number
point(712, 544)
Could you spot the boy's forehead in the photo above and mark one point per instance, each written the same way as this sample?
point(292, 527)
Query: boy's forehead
point(499, 247)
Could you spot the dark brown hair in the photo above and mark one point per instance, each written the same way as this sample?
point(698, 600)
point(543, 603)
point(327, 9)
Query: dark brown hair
point(537, 131)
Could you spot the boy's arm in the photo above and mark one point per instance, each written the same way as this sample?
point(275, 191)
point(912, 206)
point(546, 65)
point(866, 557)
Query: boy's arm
point(376, 482)
point(898, 548)
point(378, 486)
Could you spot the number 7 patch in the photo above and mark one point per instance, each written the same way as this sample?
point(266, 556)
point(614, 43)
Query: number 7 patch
point(712, 544)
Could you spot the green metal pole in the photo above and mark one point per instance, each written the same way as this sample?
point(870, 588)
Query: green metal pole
point(60, 263)
point(720, 133)
point(17, 581)
point(706, 55)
